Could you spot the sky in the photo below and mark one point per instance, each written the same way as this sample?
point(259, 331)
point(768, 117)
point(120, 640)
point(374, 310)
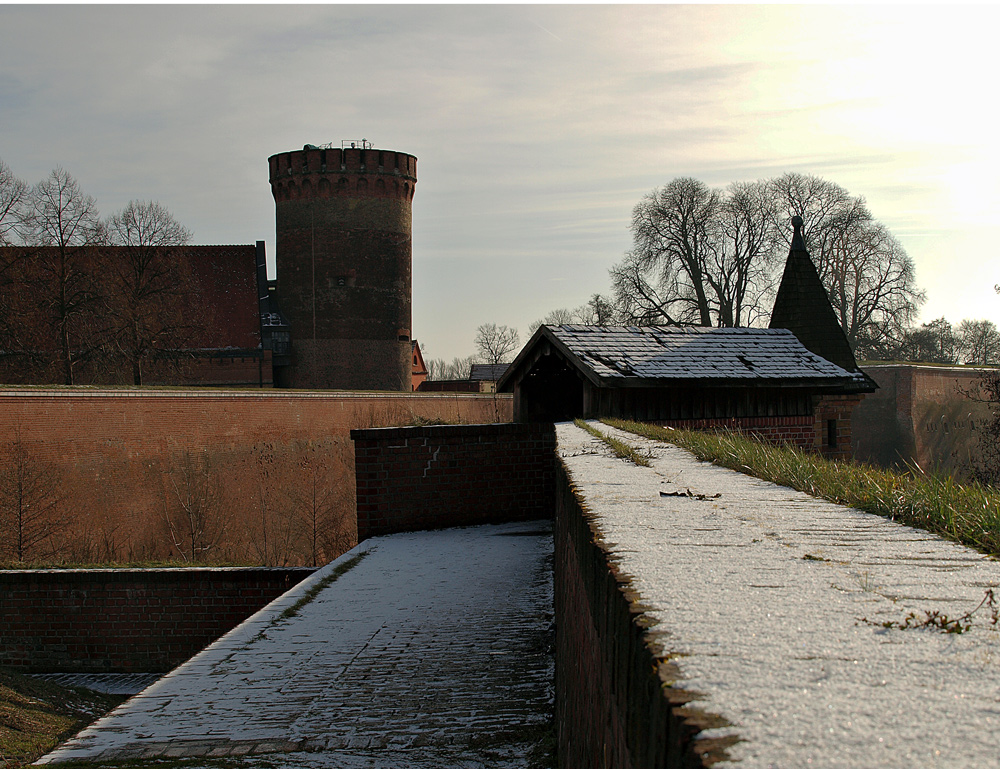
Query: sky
point(537, 128)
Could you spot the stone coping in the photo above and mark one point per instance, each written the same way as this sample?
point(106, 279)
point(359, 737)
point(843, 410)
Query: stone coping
point(770, 605)
point(73, 392)
point(8, 576)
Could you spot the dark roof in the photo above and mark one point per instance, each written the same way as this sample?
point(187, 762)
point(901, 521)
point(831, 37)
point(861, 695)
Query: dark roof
point(488, 372)
point(803, 307)
point(629, 356)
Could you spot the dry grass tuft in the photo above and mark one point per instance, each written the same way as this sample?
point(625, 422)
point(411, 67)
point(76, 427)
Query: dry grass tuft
point(36, 715)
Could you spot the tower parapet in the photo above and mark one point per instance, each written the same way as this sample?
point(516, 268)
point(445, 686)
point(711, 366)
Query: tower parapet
point(327, 172)
point(343, 221)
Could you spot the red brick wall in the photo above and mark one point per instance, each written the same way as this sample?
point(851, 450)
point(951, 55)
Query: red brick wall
point(129, 620)
point(797, 431)
point(838, 410)
point(416, 478)
point(809, 433)
point(120, 455)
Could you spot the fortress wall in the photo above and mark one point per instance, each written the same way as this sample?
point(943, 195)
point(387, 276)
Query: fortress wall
point(919, 414)
point(611, 705)
point(414, 478)
point(273, 471)
point(127, 620)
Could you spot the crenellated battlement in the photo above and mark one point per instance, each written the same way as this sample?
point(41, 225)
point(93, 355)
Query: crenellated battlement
point(326, 172)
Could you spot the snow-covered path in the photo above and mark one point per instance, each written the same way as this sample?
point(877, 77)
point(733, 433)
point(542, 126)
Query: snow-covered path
point(433, 649)
point(761, 596)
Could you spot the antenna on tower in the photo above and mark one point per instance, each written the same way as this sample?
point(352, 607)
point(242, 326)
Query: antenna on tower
point(353, 144)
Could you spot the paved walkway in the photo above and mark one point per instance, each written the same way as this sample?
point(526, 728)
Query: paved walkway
point(431, 649)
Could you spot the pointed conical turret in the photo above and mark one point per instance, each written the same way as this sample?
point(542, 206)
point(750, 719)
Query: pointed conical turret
point(803, 307)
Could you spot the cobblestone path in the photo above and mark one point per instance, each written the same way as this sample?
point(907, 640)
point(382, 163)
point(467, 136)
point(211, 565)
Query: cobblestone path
point(432, 649)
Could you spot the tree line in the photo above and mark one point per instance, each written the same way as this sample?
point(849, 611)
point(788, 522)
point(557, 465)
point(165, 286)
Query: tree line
point(67, 303)
point(714, 257)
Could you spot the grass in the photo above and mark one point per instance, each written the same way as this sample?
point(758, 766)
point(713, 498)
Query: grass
point(316, 589)
point(965, 513)
point(621, 450)
point(35, 715)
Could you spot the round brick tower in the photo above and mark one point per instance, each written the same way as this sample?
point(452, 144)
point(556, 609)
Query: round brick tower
point(343, 254)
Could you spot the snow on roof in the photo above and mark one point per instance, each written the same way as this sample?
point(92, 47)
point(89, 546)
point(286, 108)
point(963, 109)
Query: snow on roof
point(695, 353)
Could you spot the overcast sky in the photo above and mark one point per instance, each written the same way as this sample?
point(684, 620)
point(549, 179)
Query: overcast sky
point(536, 128)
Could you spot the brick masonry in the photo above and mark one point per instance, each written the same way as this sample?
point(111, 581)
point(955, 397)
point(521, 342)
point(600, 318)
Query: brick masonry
point(126, 620)
point(343, 224)
point(416, 478)
point(827, 430)
point(117, 455)
point(920, 414)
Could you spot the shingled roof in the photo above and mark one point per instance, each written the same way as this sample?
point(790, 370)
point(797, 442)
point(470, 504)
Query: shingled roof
point(629, 356)
point(803, 307)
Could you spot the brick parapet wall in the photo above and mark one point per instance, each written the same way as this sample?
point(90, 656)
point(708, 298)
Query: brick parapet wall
point(809, 433)
point(414, 478)
point(126, 620)
point(799, 431)
point(613, 709)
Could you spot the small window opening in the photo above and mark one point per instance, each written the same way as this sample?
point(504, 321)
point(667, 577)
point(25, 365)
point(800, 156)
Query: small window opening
point(831, 433)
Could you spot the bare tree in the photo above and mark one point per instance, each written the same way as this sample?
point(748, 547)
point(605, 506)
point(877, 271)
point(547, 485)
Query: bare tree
point(672, 228)
point(63, 226)
point(496, 343)
point(700, 256)
point(598, 311)
point(438, 369)
point(559, 317)
point(13, 197)
point(648, 297)
point(322, 508)
point(192, 513)
point(274, 543)
point(867, 273)
point(817, 201)
point(979, 342)
point(744, 255)
point(31, 503)
point(933, 342)
point(146, 288)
